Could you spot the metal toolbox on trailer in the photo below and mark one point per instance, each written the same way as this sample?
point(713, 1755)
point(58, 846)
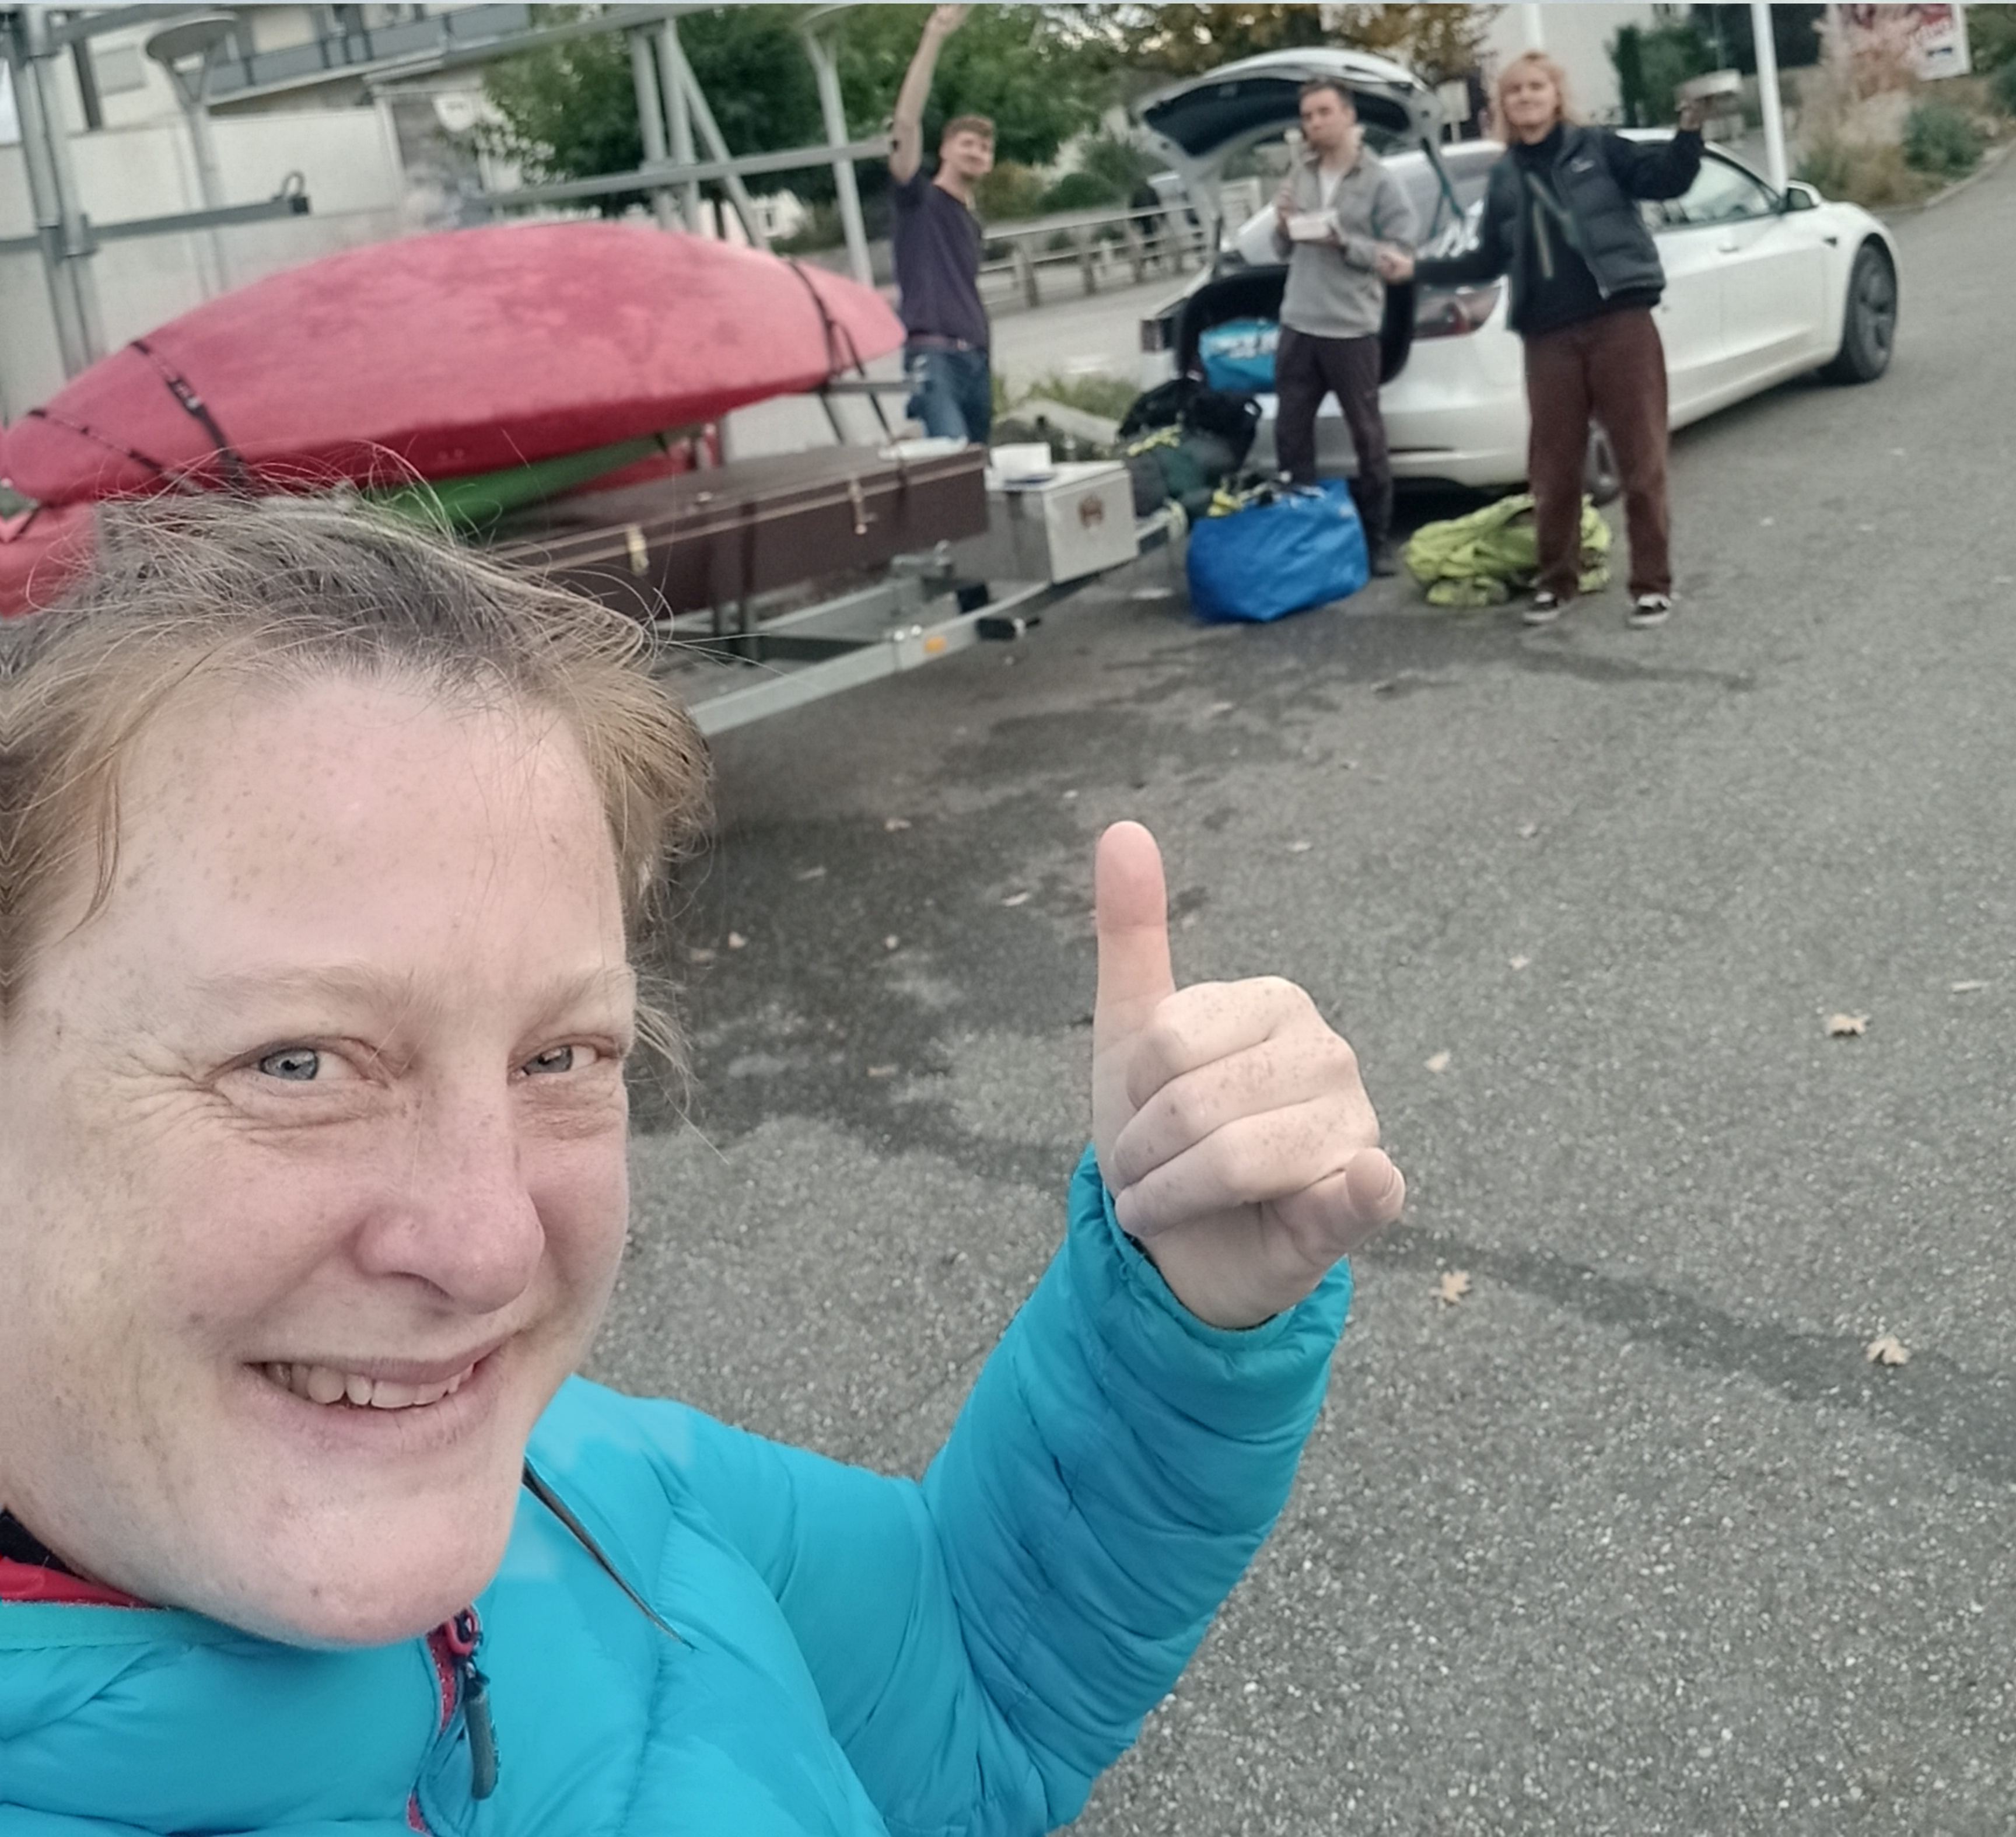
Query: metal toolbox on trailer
point(1077, 521)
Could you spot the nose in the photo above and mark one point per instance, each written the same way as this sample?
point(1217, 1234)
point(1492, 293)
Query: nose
point(456, 1210)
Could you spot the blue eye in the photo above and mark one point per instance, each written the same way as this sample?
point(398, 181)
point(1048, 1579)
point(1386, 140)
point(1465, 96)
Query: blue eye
point(560, 1059)
point(298, 1064)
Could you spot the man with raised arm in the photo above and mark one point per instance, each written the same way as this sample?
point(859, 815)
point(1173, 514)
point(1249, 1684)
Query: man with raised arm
point(938, 248)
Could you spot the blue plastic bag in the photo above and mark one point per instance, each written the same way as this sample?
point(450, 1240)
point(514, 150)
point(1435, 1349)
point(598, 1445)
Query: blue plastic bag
point(1238, 356)
point(1305, 548)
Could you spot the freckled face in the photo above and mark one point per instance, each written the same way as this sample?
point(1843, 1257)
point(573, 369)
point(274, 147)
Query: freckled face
point(314, 1136)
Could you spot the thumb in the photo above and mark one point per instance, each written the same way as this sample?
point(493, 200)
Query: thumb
point(1131, 906)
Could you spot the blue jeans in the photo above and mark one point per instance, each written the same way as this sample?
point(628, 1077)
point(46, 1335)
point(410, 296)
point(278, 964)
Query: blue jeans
point(953, 393)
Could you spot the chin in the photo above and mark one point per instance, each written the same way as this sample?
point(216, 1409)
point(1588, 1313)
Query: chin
point(380, 1600)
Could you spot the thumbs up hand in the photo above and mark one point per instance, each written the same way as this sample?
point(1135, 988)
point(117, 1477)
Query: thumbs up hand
point(1231, 1127)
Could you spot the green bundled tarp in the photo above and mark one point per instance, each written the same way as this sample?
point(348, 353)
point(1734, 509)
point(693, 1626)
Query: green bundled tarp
point(1485, 558)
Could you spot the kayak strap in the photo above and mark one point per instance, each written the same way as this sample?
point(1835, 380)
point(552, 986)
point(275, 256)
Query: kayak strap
point(193, 405)
point(85, 432)
point(841, 352)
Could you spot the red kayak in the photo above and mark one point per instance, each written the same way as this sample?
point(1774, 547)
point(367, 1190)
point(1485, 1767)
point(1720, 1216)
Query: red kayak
point(42, 551)
point(465, 352)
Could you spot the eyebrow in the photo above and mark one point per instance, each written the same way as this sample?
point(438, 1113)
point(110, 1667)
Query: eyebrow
point(365, 985)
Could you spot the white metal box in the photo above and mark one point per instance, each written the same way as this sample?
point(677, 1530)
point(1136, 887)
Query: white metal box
point(1077, 521)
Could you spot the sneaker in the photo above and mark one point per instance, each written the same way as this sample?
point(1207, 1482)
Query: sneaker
point(1546, 608)
point(1651, 609)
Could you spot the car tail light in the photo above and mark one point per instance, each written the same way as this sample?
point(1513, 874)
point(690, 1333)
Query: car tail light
point(1450, 312)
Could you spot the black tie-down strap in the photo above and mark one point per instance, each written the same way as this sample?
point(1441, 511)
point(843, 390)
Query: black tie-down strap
point(841, 352)
point(193, 405)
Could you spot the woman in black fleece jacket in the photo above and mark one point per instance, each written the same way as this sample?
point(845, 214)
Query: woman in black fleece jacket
point(1561, 217)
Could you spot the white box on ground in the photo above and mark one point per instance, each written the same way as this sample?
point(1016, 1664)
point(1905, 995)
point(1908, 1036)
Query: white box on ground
point(1078, 521)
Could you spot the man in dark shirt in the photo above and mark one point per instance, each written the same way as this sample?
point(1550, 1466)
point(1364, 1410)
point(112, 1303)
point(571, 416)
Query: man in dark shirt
point(938, 249)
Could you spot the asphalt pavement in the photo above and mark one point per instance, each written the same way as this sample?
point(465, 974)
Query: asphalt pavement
point(1632, 1538)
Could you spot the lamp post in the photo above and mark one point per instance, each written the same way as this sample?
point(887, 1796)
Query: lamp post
point(187, 51)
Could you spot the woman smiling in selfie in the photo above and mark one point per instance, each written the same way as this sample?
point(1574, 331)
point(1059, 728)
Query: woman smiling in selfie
point(330, 859)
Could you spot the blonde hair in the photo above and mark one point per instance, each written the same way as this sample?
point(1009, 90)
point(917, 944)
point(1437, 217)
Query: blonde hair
point(188, 589)
point(1531, 60)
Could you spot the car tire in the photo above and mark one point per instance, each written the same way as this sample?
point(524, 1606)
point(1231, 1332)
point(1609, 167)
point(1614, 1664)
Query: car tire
point(1601, 479)
point(1869, 323)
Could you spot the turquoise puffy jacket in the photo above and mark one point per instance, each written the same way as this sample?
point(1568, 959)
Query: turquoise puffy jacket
point(848, 1654)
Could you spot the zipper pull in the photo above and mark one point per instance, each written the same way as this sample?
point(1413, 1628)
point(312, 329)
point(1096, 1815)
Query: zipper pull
point(474, 1694)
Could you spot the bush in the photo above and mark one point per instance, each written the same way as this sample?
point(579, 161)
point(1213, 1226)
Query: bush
point(2002, 87)
point(822, 229)
point(1082, 191)
point(1859, 172)
point(1938, 139)
point(1011, 192)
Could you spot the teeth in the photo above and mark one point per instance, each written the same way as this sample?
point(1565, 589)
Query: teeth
point(323, 1384)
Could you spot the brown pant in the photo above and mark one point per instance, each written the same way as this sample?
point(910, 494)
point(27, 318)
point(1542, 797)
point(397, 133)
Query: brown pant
point(1612, 369)
point(1307, 368)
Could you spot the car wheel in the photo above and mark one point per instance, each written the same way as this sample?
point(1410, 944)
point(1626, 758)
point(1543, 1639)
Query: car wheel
point(1869, 326)
point(1601, 477)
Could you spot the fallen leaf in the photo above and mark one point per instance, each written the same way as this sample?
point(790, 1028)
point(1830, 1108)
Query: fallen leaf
point(736, 940)
point(1454, 1285)
point(891, 942)
point(1069, 795)
point(1300, 848)
point(881, 1070)
point(1968, 988)
point(1439, 1062)
point(1887, 1349)
point(1016, 899)
point(699, 954)
point(1765, 522)
point(1384, 688)
point(1528, 831)
point(1847, 1026)
point(893, 824)
point(1187, 921)
point(1520, 963)
point(810, 874)
point(1221, 707)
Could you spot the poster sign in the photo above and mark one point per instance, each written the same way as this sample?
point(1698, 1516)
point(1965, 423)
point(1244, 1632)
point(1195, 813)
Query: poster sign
point(1933, 37)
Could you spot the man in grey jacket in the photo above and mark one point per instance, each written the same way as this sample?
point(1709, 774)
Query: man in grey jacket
point(1344, 227)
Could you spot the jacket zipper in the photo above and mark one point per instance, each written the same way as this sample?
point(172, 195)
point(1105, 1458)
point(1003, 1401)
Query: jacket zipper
point(452, 1646)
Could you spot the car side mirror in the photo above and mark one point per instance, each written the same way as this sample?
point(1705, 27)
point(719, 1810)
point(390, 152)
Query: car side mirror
point(1799, 195)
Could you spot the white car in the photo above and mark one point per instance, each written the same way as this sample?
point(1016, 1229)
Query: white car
point(1761, 286)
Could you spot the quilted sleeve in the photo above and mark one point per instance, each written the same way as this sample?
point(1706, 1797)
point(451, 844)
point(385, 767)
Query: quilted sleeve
point(988, 1642)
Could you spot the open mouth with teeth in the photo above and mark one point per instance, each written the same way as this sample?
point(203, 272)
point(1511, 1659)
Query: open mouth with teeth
point(326, 1385)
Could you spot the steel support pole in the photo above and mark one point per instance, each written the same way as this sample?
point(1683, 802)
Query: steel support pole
point(1768, 98)
point(825, 66)
point(52, 191)
point(678, 117)
point(650, 122)
point(678, 74)
point(194, 93)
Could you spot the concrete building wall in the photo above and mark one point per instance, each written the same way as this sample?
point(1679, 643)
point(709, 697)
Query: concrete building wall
point(349, 159)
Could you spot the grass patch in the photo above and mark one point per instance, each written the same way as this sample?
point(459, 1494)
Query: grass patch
point(1110, 396)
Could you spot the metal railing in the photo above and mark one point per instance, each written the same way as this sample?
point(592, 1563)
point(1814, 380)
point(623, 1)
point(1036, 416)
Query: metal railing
point(1095, 241)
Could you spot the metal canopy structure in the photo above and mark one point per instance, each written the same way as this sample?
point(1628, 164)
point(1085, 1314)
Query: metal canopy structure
point(676, 124)
point(31, 39)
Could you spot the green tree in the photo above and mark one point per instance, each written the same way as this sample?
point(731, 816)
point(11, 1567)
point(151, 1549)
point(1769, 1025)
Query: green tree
point(1439, 43)
point(1991, 38)
point(570, 111)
